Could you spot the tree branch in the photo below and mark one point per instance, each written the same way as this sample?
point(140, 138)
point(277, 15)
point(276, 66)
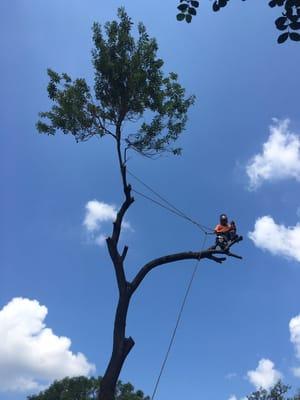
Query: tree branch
point(236, 240)
point(189, 255)
point(118, 264)
point(112, 242)
point(129, 343)
point(124, 253)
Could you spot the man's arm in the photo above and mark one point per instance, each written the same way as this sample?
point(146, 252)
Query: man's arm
point(233, 226)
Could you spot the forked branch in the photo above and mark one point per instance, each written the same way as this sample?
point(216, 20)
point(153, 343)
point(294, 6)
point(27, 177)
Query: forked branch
point(211, 254)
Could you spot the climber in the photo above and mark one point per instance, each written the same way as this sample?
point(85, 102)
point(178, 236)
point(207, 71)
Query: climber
point(226, 229)
point(225, 232)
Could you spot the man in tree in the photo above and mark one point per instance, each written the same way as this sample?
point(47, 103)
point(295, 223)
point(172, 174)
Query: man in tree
point(225, 233)
point(228, 230)
point(129, 85)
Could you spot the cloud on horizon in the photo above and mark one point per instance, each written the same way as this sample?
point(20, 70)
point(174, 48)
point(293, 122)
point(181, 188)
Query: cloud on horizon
point(31, 355)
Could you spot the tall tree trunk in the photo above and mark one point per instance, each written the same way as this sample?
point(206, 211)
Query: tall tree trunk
point(121, 349)
point(121, 344)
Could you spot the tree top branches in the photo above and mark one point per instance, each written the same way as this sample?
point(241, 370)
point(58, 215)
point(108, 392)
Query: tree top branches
point(129, 85)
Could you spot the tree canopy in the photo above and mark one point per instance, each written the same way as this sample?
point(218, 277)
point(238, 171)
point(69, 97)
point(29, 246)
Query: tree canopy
point(288, 22)
point(82, 388)
point(277, 392)
point(129, 84)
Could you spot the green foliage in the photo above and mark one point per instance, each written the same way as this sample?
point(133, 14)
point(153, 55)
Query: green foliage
point(79, 388)
point(82, 388)
point(129, 85)
point(74, 111)
point(288, 22)
point(277, 392)
point(188, 9)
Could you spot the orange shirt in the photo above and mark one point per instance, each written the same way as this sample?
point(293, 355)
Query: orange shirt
point(223, 228)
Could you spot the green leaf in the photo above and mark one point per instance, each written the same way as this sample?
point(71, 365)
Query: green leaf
point(180, 17)
point(295, 25)
point(188, 18)
point(195, 3)
point(192, 11)
point(280, 23)
point(182, 7)
point(283, 37)
point(272, 3)
point(295, 36)
point(216, 6)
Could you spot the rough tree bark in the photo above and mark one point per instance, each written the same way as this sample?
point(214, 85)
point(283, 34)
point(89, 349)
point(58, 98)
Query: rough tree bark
point(122, 345)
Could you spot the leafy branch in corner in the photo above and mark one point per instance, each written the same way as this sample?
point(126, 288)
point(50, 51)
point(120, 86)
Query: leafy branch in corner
point(288, 22)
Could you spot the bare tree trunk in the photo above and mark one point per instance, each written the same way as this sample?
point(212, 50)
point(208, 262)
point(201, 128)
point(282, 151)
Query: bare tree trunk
point(121, 349)
point(122, 344)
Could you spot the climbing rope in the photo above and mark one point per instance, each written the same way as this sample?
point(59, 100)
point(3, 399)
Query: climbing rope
point(188, 289)
point(170, 207)
point(167, 205)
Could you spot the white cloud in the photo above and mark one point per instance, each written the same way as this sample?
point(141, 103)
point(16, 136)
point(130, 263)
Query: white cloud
point(296, 372)
point(277, 239)
point(100, 240)
point(97, 214)
point(265, 375)
point(232, 397)
point(31, 355)
point(279, 159)
point(294, 326)
point(231, 375)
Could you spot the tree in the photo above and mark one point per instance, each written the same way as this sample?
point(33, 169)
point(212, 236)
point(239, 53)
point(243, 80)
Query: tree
point(297, 396)
point(129, 85)
point(82, 388)
point(288, 22)
point(277, 392)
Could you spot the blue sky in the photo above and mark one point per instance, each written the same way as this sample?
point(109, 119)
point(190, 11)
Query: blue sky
point(238, 313)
